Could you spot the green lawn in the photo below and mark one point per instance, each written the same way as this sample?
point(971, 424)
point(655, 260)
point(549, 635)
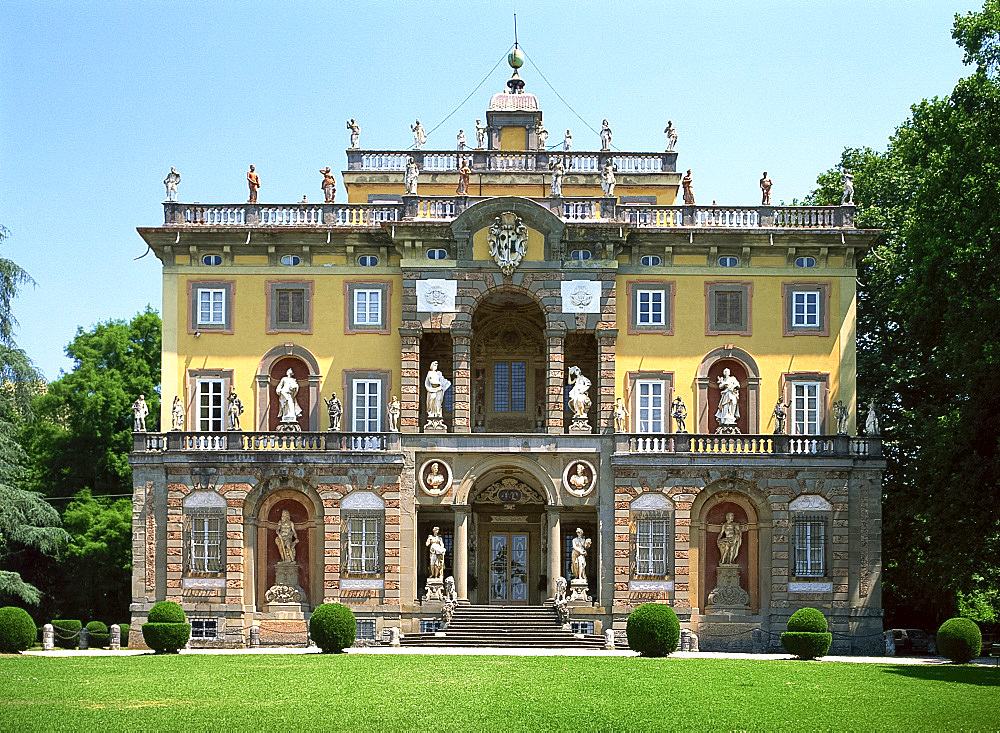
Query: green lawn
point(434, 693)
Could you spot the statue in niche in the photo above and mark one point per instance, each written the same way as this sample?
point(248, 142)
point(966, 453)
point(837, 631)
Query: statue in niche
point(687, 182)
point(580, 481)
point(461, 139)
point(579, 557)
point(435, 480)
point(335, 409)
point(285, 537)
point(435, 385)
point(730, 539)
point(253, 182)
point(329, 185)
point(621, 416)
point(567, 141)
point(436, 544)
point(419, 136)
point(235, 410)
point(355, 132)
point(579, 401)
point(287, 391)
point(541, 134)
point(605, 136)
point(848, 180)
point(558, 169)
point(780, 416)
point(843, 415)
point(410, 178)
point(765, 190)
point(871, 421)
point(177, 414)
point(392, 412)
point(608, 178)
point(671, 133)
point(729, 409)
point(171, 181)
point(464, 171)
point(140, 410)
point(480, 135)
point(679, 412)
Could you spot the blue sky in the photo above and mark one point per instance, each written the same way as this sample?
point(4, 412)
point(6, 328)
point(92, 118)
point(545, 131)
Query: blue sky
point(98, 100)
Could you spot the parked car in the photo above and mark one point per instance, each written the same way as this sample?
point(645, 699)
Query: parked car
point(912, 641)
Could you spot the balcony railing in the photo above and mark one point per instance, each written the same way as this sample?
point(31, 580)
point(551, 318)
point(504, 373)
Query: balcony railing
point(536, 161)
point(754, 445)
point(265, 442)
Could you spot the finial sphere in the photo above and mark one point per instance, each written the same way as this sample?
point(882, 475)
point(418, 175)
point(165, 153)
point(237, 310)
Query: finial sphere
point(515, 58)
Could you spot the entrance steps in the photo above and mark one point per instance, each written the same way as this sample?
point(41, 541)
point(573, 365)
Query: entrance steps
point(505, 626)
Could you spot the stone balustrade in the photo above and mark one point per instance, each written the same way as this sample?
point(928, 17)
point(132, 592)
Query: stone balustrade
point(537, 161)
point(264, 442)
point(757, 445)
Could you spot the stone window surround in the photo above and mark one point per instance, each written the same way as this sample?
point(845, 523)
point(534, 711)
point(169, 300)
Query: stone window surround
point(191, 403)
point(789, 378)
point(349, 375)
point(632, 396)
point(270, 291)
point(669, 287)
point(825, 517)
point(205, 624)
point(787, 288)
point(203, 504)
point(193, 288)
point(350, 286)
point(346, 516)
point(711, 287)
point(652, 506)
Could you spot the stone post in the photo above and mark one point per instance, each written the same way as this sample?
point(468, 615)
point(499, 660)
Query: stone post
point(609, 638)
point(254, 637)
point(84, 644)
point(461, 345)
point(394, 636)
point(461, 550)
point(555, 380)
point(554, 525)
point(409, 414)
point(606, 342)
point(116, 636)
point(48, 638)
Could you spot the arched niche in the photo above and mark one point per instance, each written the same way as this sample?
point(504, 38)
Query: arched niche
point(272, 367)
point(495, 468)
point(742, 366)
point(532, 214)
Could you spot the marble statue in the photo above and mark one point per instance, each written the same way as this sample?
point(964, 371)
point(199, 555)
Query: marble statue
point(287, 390)
point(139, 413)
point(435, 385)
point(621, 416)
point(355, 133)
point(679, 412)
point(780, 416)
point(461, 140)
point(419, 136)
point(235, 410)
point(480, 135)
point(335, 409)
point(730, 539)
point(671, 133)
point(579, 557)
point(393, 413)
point(434, 480)
point(843, 415)
point(177, 414)
point(329, 184)
point(171, 181)
point(608, 178)
point(729, 409)
point(410, 178)
point(605, 136)
point(450, 594)
point(765, 190)
point(848, 198)
point(253, 181)
point(558, 169)
point(579, 400)
point(580, 481)
point(541, 134)
point(285, 537)
point(560, 594)
point(567, 141)
point(464, 171)
point(871, 421)
point(688, 183)
point(436, 542)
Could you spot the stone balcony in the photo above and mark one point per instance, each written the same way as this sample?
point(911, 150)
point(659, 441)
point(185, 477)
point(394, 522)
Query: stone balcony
point(506, 161)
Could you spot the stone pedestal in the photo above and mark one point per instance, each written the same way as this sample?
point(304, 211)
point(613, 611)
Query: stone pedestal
point(285, 597)
point(580, 425)
point(727, 430)
point(289, 427)
point(435, 426)
point(434, 590)
point(578, 591)
point(727, 596)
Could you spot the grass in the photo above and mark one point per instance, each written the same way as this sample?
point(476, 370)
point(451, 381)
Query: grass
point(439, 693)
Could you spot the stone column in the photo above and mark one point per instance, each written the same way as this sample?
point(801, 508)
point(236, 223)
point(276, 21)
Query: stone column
point(555, 548)
point(606, 341)
point(48, 637)
point(461, 349)
point(461, 549)
point(555, 379)
point(115, 640)
point(409, 375)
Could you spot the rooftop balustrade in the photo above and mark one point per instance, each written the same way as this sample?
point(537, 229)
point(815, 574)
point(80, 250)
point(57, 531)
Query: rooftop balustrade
point(485, 161)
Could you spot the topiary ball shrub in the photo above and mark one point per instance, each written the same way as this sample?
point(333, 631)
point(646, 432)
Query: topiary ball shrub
point(98, 636)
point(17, 630)
point(960, 640)
point(807, 636)
point(653, 630)
point(67, 632)
point(166, 612)
point(167, 630)
point(332, 627)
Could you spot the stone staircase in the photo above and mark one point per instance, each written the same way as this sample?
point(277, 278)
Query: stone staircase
point(505, 626)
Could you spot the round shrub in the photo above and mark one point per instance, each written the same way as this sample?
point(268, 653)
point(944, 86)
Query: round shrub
point(653, 630)
point(67, 632)
point(166, 637)
point(166, 612)
point(808, 619)
point(332, 627)
point(98, 636)
point(960, 640)
point(17, 630)
point(807, 636)
point(124, 628)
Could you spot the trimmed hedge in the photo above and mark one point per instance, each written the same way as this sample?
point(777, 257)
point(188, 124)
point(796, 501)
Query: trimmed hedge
point(332, 627)
point(17, 630)
point(653, 630)
point(960, 640)
point(166, 612)
point(124, 628)
point(807, 636)
point(98, 636)
point(67, 634)
point(166, 638)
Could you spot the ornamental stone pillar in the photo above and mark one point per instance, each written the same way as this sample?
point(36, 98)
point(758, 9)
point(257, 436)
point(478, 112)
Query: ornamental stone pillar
point(460, 547)
point(606, 342)
point(409, 379)
point(552, 518)
point(555, 379)
point(461, 344)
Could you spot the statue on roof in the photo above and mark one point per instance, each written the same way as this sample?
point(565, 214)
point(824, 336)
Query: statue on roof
point(568, 141)
point(419, 136)
point(605, 136)
point(608, 178)
point(461, 139)
point(253, 181)
point(480, 135)
point(848, 179)
point(171, 181)
point(355, 133)
point(329, 184)
point(541, 134)
point(765, 190)
point(671, 133)
point(558, 171)
point(410, 178)
point(688, 183)
point(464, 171)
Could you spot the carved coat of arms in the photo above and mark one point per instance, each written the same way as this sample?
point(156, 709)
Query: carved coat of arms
point(581, 296)
point(508, 240)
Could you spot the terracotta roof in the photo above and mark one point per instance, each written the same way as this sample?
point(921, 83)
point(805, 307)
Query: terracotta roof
point(513, 102)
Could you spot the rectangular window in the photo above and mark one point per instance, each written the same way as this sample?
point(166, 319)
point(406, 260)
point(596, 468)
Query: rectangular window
point(211, 395)
point(368, 307)
point(205, 628)
point(365, 628)
point(581, 627)
point(206, 543)
point(429, 627)
point(510, 386)
point(289, 305)
point(651, 547)
point(805, 408)
point(805, 309)
point(211, 307)
point(728, 309)
point(362, 546)
point(650, 311)
point(650, 405)
point(367, 414)
point(810, 547)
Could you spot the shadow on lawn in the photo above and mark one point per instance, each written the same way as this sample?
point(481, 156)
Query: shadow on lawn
point(964, 673)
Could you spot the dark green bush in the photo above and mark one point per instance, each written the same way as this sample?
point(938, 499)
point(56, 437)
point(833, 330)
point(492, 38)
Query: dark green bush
point(17, 630)
point(67, 632)
point(332, 627)
point(960, 640)
point(807, 644)
point(98, 636)
point(124, 628)
point(166, 637)
point(653, 630)
point(808, 619)
point(166, 612)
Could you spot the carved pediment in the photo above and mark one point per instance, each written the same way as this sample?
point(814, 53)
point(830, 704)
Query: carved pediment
point(508, 491)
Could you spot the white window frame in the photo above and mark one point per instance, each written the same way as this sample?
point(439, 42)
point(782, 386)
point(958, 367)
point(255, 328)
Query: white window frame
point(214, 392)
point(651, 547)
point(201, 627)
point(363, 545)
point(650, 417)
point(366, 397)
point(807, 419)
point(211, 306)
point(206, 542)
point(364, 300)
point(648, 311)
point(809, 538)
point(806, 309)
